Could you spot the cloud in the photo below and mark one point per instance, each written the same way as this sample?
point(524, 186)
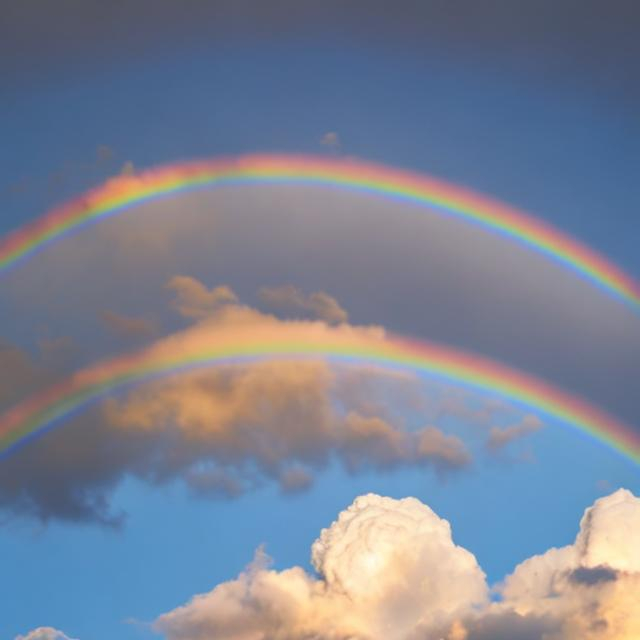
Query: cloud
point(44, 633)
point(331, 140)
point(383, 567)
point(194, 300)
point(588, 590)
point(290, 300)
point(447, 451)
point(227, 430)
point(500, 438)
point(18, 373)
point(591, 576)
point(127, 327)
point(127, 169)
point(389, 570)
point(104, 153)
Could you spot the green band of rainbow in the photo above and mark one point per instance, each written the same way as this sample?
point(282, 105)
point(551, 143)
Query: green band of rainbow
point(120, 193)
point(39, 412)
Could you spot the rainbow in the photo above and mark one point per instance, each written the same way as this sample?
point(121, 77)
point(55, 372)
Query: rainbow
point(119, 194)
point(44, 410)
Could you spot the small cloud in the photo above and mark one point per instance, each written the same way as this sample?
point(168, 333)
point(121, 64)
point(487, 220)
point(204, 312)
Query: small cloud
point(500, 438)
point(127, 327)
point(444, 451)
point(318, 305)
point(194, 300)
point(295, 479)
point(128, 169)
point(604, 486)
point(331, 140)
point(104, 153)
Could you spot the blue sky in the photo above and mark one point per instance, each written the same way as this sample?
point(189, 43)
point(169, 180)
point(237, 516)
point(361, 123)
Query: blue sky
point(557, 145)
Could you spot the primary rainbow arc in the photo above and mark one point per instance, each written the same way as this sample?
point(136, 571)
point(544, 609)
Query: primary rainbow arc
point(120, 193)
point(40, 412)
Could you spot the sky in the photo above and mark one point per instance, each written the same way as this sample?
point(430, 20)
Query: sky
point(112, 522)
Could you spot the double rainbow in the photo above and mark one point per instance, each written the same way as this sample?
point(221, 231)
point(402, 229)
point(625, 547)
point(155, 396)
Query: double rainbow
point(48, 408)
point(119, 194)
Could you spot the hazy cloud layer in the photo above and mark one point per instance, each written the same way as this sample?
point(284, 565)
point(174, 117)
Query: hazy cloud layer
point(389, 570)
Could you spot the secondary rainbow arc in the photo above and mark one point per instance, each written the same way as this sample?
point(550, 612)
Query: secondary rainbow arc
point(120, 193)
point(37, 414)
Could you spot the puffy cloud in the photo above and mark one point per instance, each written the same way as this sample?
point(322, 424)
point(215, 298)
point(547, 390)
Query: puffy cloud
point(385, 568)
point(290, 300)
point(586, 591)
point(389, 570)
point(44, 633)
point(127, 327)
point(229, 429)
point(500, 438)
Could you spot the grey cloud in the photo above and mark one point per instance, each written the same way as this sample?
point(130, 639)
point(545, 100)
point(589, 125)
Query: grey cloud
point(589, 576)
point(223, 431)
point(512, 626)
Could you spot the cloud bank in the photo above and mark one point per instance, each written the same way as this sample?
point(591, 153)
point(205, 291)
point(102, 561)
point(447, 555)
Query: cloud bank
point(230, 429)
point(389, 570)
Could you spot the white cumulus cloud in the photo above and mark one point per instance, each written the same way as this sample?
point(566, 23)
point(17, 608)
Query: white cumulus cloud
point(44, 633)
point(385, 567)
point(388, 569)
